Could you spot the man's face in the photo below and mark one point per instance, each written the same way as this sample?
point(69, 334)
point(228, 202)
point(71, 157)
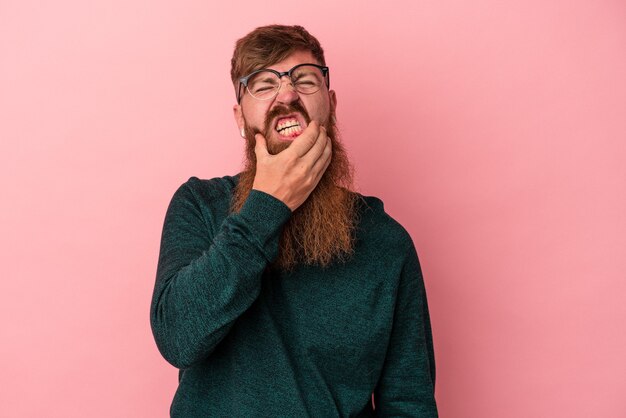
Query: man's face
point(286, 108)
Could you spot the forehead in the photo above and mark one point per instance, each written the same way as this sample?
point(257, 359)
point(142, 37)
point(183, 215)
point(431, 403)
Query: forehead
point(298, 57)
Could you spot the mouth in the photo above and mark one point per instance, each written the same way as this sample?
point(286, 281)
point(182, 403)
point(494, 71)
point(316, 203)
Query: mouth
point(289, 127)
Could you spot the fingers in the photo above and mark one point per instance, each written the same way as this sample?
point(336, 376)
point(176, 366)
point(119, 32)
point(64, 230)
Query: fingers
point(305, 141)
point(317, 150)
point(323, 161)
point(326, 162)
point(260, 147)
point(291, 176)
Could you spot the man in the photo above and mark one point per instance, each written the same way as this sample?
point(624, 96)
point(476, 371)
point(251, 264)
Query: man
point(280, 292)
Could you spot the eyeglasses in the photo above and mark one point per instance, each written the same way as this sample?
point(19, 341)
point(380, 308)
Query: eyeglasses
point(264, 84)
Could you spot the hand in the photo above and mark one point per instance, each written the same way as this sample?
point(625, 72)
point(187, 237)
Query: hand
point(291, 175)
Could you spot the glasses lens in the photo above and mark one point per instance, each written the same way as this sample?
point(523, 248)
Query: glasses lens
point(307, 79)
point(263, 85)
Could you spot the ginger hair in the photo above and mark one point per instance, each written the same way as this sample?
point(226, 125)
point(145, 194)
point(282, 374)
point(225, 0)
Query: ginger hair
point(267, 45)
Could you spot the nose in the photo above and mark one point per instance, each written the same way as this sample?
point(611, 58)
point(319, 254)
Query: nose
point(288, 94)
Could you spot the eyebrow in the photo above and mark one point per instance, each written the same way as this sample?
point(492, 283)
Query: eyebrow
point(308, 73)
point(315, 74)
point(266, 79)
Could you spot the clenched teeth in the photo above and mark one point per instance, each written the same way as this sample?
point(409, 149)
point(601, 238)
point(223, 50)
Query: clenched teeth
point(291, 130)
point(288, 126)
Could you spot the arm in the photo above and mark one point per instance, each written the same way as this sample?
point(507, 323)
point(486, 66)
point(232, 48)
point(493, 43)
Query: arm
point(407, 383)
point(205, 282)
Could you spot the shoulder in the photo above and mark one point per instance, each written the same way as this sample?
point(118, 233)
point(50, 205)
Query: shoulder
point(215, 187)
point(377, 225)
point(208, 199)
point(207, 190)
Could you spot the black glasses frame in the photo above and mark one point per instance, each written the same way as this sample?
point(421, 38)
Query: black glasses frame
point(243, 81)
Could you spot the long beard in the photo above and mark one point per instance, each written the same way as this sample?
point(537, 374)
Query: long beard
point(322, 229)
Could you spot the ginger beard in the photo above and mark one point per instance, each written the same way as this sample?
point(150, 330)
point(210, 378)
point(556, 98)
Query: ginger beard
point(321, 230)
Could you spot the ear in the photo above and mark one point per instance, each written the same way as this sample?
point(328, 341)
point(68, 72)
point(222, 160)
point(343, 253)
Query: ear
point(333, 101)
point(239, 120)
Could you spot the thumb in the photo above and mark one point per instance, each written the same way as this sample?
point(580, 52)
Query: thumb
point(260, 148)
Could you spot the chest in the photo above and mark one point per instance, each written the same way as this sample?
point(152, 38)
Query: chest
point(338, 320)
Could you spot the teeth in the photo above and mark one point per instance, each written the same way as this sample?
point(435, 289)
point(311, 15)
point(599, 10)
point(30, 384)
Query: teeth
point(291, 130)
point(287, 123)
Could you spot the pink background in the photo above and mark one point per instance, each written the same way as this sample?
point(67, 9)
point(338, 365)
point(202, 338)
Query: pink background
point(495, 132)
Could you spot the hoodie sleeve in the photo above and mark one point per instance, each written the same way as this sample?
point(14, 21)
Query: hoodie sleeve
point(407, 383)
point(205, 281)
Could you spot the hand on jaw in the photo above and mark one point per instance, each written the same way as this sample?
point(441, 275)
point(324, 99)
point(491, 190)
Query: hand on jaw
point(292, 174)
